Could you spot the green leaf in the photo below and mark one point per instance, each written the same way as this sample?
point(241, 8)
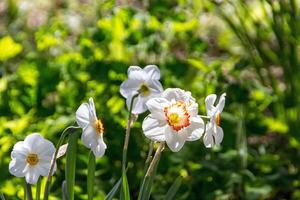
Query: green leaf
point(114, 190)
point(173, 189)
point(38, 189)
point(91, 175)
point(71, 165)
point(145, 190)
point(125, 194)
point(28, 191)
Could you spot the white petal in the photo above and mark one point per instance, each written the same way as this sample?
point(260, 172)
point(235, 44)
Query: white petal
point(208, 139)
point(44, 168)
point(83, 115)
point(174, 94)
point(196, 128)
point(32, 175)
point(139, 104)
point(89, 136)
point(218, 135)
point(135, 72)
point(45, 149)
point(154, 129)
point(16, 167)
point(130, 86)
point(156, 107)
point(221, 103)
point(175, 140)
point(155, 86)
point(152, 72)
point(34, 142)
point(209, 103)
point(193, 109)
point(100, 148)
point(92, 109)
point(19, 150)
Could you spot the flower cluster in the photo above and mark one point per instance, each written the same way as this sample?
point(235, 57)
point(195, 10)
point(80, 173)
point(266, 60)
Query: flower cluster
point(173, 119)
point(173, 114)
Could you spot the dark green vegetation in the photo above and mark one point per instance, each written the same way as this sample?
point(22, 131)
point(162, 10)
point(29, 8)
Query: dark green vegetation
point(56, 54)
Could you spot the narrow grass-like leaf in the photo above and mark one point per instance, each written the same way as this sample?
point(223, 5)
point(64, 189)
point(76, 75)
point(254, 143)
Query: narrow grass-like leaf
point(114, 190)
point(145, 190)
point(28, 191)
point(125, 194)
point(38, 189)
point(147, 185)
point(173, 189)
point(91, 175)
point(71, 165)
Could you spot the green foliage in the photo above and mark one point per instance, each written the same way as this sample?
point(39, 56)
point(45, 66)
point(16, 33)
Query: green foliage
point(54, 56)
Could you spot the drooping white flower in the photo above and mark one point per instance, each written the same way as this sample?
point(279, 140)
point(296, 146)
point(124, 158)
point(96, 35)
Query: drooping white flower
point(32, 158)
point(214, 133)
point(174, 118)
point(92, 136)
point(143, 81)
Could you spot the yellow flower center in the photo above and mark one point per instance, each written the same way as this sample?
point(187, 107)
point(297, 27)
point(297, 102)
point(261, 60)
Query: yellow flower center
point(177, 115)
point(144, 90)
point(32, 159)
point(99, 126)
point(218, 119)
point(174, 119)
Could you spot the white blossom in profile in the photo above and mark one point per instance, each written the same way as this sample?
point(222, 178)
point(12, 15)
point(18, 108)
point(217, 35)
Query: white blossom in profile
point(93, 130)
point(214, 133)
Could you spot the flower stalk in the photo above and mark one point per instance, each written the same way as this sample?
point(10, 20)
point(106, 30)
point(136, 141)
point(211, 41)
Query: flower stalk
point(145, 189)
point(149, 156)
point(155, 159)
point(127, 134)
point(91, 175)
point(49, 177)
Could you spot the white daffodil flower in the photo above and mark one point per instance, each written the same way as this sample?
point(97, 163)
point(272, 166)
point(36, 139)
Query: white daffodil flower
point(145, 83)
point(174, 118)
point(214, 133)
point(92, 136)
point(32, 158)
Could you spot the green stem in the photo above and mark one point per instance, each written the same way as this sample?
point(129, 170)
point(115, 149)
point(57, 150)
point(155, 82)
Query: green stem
point(49, 177)
point(91, 175)
point(145, 189)
point(28, 191)
point(127, 135)
point(155, 158)
point(38, 189)
point(149, 157)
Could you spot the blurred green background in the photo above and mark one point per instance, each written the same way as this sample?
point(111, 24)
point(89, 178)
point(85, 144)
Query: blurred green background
point(54, 55)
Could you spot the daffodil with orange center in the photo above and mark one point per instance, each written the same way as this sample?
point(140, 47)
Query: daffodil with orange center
point(93, 129)
point(173, 118)
point(214, 133)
